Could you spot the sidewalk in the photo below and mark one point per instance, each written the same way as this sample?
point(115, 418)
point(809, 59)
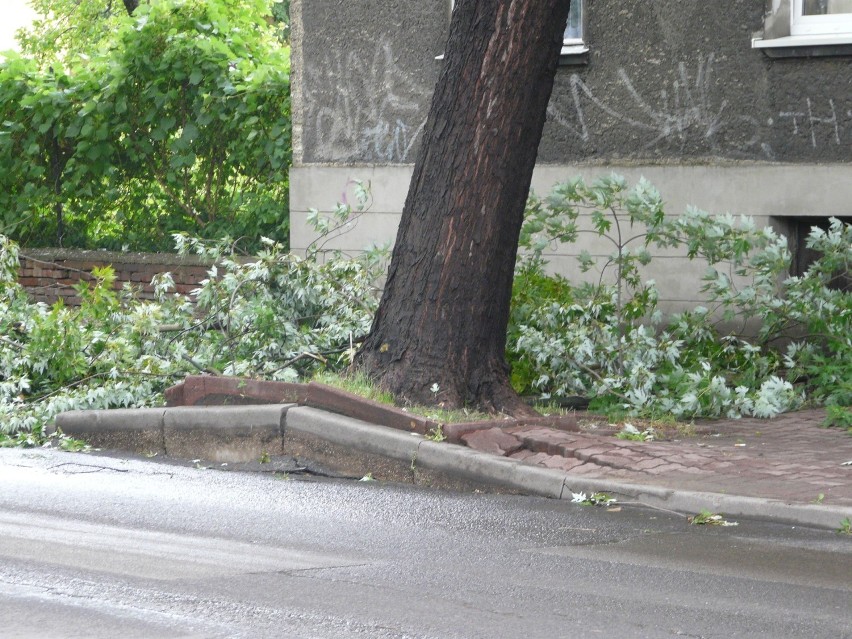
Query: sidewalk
point(790, 458)
point(786, 469)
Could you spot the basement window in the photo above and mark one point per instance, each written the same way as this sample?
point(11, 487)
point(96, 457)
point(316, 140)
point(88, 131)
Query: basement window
point(797, 230)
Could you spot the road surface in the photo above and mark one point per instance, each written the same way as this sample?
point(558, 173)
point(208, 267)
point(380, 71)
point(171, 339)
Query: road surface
point(94, 546)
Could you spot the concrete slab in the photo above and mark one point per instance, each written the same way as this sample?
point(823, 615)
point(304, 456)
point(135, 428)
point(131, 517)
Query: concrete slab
point(139, 430)
point(224, 433)
point(353, 433)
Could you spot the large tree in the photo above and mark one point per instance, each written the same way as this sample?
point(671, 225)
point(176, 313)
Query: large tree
point(440, 332)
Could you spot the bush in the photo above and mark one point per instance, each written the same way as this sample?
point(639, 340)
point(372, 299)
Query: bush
point(179, 122)
point(609, 340)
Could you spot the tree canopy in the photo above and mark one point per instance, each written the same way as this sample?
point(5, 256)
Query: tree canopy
point(117, 130)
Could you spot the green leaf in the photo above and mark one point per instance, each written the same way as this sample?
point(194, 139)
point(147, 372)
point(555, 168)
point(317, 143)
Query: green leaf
point(190, 132)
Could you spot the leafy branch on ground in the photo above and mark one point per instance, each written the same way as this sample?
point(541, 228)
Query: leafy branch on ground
point(274, 316)
point(39, 438)
point(595, 499)
point(280, 316)
point(764, 343)
point(707, 518)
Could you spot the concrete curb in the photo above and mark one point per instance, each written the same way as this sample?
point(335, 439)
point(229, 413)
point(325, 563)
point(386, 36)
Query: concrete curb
point(459, 461)
point(353, 433)
point(242, 433)
point(221, 433)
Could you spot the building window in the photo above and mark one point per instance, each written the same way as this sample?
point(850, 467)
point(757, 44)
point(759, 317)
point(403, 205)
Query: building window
point(821, 17)
point(806, 28)
point(573, 41)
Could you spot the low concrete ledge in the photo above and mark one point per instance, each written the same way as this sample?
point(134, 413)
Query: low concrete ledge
point(135, 429)
point(224, 433)
point(353, 433)
point(220, 433)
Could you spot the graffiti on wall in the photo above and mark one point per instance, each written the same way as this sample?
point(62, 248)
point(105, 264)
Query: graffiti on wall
point(371, 109)
point(363, 109)
point(818, 122)
point(691, 111)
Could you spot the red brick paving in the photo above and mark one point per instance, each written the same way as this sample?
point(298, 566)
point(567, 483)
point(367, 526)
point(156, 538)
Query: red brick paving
point(492, 440)
point(790, 458)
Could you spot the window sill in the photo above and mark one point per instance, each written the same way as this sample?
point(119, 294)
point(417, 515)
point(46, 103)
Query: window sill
point(802, 41)
point(805, 46)
point(574, 54)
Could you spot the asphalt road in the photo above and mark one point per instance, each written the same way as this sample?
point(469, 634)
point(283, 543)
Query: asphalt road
point(94, 546)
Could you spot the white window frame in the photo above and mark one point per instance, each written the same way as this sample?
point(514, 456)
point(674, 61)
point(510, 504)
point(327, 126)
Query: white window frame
point(575, 44)
point(829, 24)
point(809, 31)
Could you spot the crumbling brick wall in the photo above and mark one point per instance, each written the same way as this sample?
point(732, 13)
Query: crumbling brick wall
point(50, 274)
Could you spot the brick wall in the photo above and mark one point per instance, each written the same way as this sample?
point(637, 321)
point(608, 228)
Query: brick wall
point(50, 274)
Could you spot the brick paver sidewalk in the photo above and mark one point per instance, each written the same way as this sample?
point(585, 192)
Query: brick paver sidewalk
point(790, 458)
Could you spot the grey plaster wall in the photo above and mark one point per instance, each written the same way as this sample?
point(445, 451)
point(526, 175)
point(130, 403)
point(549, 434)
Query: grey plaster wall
point(678, 80)
point(667, 81)
point(672, 91)
point(366, 71)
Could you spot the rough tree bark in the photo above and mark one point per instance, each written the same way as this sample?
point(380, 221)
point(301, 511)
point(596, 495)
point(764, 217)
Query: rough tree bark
point(130, 6)
point(445, 308)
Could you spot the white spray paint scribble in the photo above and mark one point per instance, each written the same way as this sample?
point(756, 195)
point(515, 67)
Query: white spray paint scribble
point(808, 120)
point(689, 110)
point(686, 109)
point(363, 110)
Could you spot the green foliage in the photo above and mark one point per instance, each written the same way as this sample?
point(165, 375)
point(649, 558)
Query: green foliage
point(70, 30)
point(595, 499)
point(607, 339)
point(179, 122)
point(532, 290)
point(436, 434)
point(38, 437)
point(838, 416)
point(280, 316)
point(281, 15)
point(629, 432)
point(275, 315)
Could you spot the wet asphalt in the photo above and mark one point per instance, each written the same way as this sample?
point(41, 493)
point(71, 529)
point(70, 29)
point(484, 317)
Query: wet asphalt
point(96, 546)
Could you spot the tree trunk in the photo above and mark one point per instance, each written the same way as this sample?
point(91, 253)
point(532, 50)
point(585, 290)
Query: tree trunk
point(130, 6)
point(439, 335)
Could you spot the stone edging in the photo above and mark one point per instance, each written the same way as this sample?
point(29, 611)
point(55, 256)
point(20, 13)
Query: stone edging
point(208, 390)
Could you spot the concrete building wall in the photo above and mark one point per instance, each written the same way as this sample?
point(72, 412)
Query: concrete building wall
point(671, 91)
